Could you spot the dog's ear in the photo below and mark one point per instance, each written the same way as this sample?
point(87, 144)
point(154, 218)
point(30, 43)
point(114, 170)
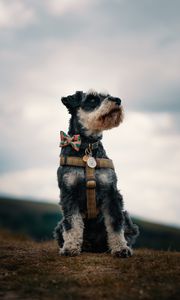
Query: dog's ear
point(72, 102)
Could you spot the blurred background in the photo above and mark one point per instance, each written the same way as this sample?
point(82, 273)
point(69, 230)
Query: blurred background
point(51, 48)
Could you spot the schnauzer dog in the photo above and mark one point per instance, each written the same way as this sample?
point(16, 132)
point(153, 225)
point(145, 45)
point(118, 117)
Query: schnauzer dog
point(109, 228)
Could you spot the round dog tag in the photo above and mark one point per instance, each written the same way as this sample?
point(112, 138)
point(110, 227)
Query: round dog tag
point(91, 162)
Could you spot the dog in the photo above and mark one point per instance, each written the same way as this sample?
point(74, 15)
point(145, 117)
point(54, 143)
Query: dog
point(108, 227)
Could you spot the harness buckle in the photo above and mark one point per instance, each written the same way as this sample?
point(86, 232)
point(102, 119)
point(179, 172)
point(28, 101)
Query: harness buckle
point(91, 183)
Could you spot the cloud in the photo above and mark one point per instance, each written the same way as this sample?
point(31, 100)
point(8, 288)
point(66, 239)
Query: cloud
point(145, 77)
point(31, 182)
point(141, 15)
point(15, 14)
point(62, 7)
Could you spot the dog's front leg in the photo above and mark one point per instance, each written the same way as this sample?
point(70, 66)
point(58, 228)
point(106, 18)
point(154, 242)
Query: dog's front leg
point(72, 234)
point(115, 234)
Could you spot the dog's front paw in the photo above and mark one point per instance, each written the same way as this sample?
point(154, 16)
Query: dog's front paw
point(69, 251)
point(123, 252)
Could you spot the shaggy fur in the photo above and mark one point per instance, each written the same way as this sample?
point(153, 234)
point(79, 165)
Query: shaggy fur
point(109, 115)
point(112, 230)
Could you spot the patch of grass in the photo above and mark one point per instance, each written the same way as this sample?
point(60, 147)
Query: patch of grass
point(31, 270)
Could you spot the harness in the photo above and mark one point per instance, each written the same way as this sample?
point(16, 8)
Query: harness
point(90, 164)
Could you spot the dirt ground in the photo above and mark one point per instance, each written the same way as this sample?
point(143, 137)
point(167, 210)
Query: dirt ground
point(31, 270)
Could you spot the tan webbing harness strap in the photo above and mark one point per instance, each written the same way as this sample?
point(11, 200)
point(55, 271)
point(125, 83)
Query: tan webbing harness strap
point(91, 192)
point(78, 162)
point(72, 161)
point(104, 163)
point(92, 210)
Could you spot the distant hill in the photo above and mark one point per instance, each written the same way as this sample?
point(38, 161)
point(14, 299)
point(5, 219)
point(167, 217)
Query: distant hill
point(38, 219)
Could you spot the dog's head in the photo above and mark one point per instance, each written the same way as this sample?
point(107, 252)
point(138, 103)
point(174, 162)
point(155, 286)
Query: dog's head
point(94, 111)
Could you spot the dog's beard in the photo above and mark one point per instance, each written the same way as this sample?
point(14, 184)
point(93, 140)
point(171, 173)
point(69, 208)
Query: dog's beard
point(107, 116)
point(110, 120)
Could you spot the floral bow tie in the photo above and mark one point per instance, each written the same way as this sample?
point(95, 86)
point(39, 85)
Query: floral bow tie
point(74, 141)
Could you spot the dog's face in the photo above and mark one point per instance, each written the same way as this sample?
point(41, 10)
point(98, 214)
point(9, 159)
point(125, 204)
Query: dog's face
point(95, 111)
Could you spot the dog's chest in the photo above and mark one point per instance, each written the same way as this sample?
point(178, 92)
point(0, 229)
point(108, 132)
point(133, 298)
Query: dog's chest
point(75, 176)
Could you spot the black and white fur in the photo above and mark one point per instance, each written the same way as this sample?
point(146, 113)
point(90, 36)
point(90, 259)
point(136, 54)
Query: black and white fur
point(112, 230)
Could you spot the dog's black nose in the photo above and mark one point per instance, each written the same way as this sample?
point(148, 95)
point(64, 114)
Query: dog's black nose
point(115, 99)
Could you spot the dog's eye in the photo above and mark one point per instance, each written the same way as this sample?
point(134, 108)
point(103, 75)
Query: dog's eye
point(91, 102)
point(94, 99)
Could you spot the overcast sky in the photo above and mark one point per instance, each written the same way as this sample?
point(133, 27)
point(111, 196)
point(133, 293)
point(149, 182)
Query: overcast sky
point(129, 48)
